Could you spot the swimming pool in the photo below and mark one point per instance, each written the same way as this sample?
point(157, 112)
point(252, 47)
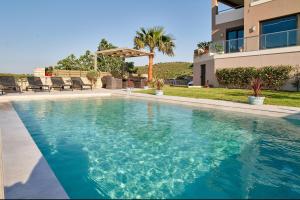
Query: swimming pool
point(127, 148)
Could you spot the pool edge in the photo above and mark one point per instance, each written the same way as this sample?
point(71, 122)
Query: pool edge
point(26, 173)
point(264, 110)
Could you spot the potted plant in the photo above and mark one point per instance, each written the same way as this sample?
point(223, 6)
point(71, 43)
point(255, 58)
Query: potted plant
point(48, 71)
point(256, 99)
point(203, 47)
point(130, 85)
point(159, 84)
point(218, 48)
point(146, 86)
point(92, 76)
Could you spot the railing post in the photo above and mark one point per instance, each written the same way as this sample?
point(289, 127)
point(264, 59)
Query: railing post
point(287, 38)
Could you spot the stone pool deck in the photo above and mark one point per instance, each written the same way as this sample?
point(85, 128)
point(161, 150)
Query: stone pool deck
point(266, 110)
point(26, 173)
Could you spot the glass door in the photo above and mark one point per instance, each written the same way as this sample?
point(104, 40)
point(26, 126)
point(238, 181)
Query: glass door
point(235, 40)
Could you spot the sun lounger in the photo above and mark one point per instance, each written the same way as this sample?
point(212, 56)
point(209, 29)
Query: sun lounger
point(1, 89)
point(9, 83)
point(35, 83)
point(77, 83)
point(58, 83)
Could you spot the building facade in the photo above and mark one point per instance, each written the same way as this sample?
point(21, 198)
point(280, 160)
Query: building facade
point(252, 33)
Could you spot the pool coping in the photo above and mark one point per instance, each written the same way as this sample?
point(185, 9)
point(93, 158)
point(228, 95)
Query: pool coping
point(26, 173)
point(1, 169)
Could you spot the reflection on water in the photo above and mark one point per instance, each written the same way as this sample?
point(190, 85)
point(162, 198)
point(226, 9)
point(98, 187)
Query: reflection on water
point(124, 148)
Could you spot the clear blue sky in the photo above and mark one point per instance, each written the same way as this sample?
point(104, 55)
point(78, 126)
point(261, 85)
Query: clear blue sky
point(37, 33)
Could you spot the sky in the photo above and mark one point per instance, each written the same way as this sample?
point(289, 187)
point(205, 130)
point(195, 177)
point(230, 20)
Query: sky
point(38, 33)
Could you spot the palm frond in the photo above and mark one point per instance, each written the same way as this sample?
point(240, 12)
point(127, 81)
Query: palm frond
point(155, 38)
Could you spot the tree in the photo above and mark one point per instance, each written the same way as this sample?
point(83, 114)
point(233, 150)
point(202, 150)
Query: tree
point(129, 68)
point(107, 63)
point(154, 39)
point(68, 63)
point(86, 61)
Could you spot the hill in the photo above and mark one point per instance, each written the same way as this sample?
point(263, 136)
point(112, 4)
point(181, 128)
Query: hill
point(169, 70)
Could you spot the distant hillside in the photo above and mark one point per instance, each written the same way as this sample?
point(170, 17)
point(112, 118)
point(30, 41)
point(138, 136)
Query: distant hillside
point(169, 70)
point(15, 75)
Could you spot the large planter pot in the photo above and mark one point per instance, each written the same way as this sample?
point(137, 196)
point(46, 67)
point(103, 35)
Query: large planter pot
point(128, 90)
point(159, 92)
point(256, 100)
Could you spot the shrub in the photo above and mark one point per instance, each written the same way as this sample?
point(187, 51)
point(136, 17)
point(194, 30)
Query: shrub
point(274, 77)
point(240, 77)
point(296, 82)
point(92, 76)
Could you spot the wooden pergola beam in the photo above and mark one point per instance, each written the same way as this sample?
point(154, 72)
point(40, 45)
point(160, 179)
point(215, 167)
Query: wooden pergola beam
point(121, 53)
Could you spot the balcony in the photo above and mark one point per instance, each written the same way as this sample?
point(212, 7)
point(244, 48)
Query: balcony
point(229, 15)
point(258, 2)
point(266, 41)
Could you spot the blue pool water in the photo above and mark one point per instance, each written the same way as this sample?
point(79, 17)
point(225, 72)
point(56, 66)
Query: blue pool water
point(124, 148)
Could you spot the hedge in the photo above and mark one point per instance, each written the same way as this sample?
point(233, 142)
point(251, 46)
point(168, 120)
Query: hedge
point(273, 77)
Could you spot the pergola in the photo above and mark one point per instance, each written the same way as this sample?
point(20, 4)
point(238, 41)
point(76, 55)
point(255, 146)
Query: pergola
point(124, 53)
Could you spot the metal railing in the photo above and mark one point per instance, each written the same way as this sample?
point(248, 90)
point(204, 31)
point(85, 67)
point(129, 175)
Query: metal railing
point(176, 82)
point(265, 41)
point(228, 9)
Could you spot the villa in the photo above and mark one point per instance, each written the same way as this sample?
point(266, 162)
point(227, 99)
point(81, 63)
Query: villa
point(251, 33)
point(94, 126)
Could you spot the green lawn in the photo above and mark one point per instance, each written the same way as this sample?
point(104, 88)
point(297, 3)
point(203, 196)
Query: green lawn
point(236, 95)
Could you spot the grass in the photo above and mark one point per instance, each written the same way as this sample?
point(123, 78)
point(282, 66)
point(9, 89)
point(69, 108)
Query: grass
point(281, 98)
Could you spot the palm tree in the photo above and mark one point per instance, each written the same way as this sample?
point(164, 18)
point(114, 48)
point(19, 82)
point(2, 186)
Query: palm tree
point(154, 39)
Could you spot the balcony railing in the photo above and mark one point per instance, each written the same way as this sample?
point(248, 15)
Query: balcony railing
point(265, 41)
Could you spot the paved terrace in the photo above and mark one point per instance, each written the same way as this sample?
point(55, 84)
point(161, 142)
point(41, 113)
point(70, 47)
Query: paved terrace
point(26, 173)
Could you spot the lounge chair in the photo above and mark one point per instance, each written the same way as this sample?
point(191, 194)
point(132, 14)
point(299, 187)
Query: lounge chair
point(35, 83)
point(1, 89)
point(79, 84)
point(58, 83)
point(9, 83)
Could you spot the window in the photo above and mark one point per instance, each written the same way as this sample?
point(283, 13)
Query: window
point(280, 32)
point(235, 40)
